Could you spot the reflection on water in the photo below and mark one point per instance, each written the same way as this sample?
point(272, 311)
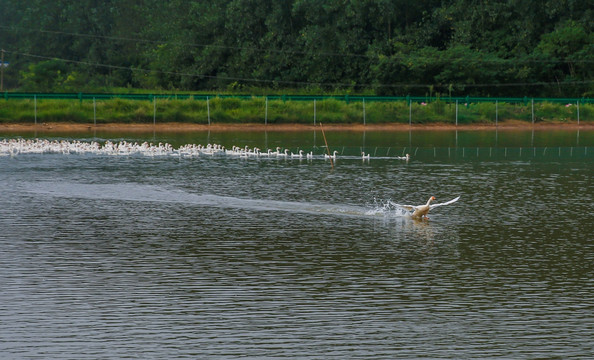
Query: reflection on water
point(111, 257)
point(421, 145)
point(395, 140)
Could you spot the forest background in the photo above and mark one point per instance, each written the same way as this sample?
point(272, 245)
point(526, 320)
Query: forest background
point(377, 47)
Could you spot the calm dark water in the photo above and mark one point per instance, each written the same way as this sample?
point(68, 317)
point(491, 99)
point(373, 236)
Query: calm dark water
point(219, 257)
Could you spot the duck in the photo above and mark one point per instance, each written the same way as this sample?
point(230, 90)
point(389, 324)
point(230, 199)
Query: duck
point(254, 152)
point(333, 156)
point(310, 155)
point(363, 156)
point(421, 211)
point(406, 158)
point(284, 154)
point(300, 155)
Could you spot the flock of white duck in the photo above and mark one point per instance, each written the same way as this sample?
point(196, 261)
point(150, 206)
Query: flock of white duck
point(15, 147)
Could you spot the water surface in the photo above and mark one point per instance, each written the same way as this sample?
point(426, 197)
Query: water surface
point(220, 257)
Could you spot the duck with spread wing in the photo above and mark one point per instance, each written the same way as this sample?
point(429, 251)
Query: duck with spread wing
point(421, 211)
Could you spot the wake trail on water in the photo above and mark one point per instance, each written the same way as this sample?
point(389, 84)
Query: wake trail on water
point(152, 193)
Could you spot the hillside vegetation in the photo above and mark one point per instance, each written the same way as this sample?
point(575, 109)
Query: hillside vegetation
point(532, 48)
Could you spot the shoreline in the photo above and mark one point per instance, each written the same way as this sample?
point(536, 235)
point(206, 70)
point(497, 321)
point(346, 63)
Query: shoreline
point(174, 127)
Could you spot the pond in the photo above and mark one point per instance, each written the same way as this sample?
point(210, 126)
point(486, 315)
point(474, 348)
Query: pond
point(224, 257)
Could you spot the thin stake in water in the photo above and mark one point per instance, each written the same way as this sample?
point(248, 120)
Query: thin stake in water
point(327, 148)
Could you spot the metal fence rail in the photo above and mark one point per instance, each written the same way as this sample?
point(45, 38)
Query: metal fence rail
point(346, 98)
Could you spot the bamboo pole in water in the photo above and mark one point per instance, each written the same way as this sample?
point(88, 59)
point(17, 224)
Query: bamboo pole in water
point(327, 148)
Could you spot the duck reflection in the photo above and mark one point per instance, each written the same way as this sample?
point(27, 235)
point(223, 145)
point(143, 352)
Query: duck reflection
point(420, 228)
point(421, 235)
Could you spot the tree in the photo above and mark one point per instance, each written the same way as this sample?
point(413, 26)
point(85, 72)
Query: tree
point(390, 46)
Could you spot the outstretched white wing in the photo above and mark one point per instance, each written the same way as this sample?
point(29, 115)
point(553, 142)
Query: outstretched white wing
point(405, 207)
point(445, 203)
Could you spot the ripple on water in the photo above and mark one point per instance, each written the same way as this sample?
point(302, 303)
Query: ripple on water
point(167, 258)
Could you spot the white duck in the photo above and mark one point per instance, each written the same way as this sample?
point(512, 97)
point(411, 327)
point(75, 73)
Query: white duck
point(333, 156)
point(364, 156)
point(285, 154)
point(421, 211)
point(299, 155)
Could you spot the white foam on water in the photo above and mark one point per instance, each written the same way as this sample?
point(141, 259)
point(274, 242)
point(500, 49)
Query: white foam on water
point(152, 193)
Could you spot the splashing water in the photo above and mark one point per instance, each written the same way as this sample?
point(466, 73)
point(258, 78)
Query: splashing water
point(387, 208)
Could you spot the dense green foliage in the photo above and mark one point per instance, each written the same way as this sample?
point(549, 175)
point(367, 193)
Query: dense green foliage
point(384, 47)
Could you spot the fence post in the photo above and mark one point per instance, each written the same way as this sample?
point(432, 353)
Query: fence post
point(364, 119)
point(578, 111)
point(154, 110)
point(409, 112)
point(456, 112)
point(496, 113)
point(314, 112)
point(208, 109)
point(266, 112)
point(532, 111)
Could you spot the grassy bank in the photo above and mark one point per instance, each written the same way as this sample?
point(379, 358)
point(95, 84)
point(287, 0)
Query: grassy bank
point(258, 110)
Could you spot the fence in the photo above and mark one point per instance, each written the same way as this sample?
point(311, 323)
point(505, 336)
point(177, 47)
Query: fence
point(409, 101)
point(463, 152)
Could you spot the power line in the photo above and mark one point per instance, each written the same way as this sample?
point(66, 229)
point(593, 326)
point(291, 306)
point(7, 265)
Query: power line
point(118, 67)
point(302, 83)
point(304, 53)
point(183, 44)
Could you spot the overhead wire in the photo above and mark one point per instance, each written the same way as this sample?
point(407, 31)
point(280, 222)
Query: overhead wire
point(176, 73)
point(288, 52)
point(401, 85)
point(291, 52)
